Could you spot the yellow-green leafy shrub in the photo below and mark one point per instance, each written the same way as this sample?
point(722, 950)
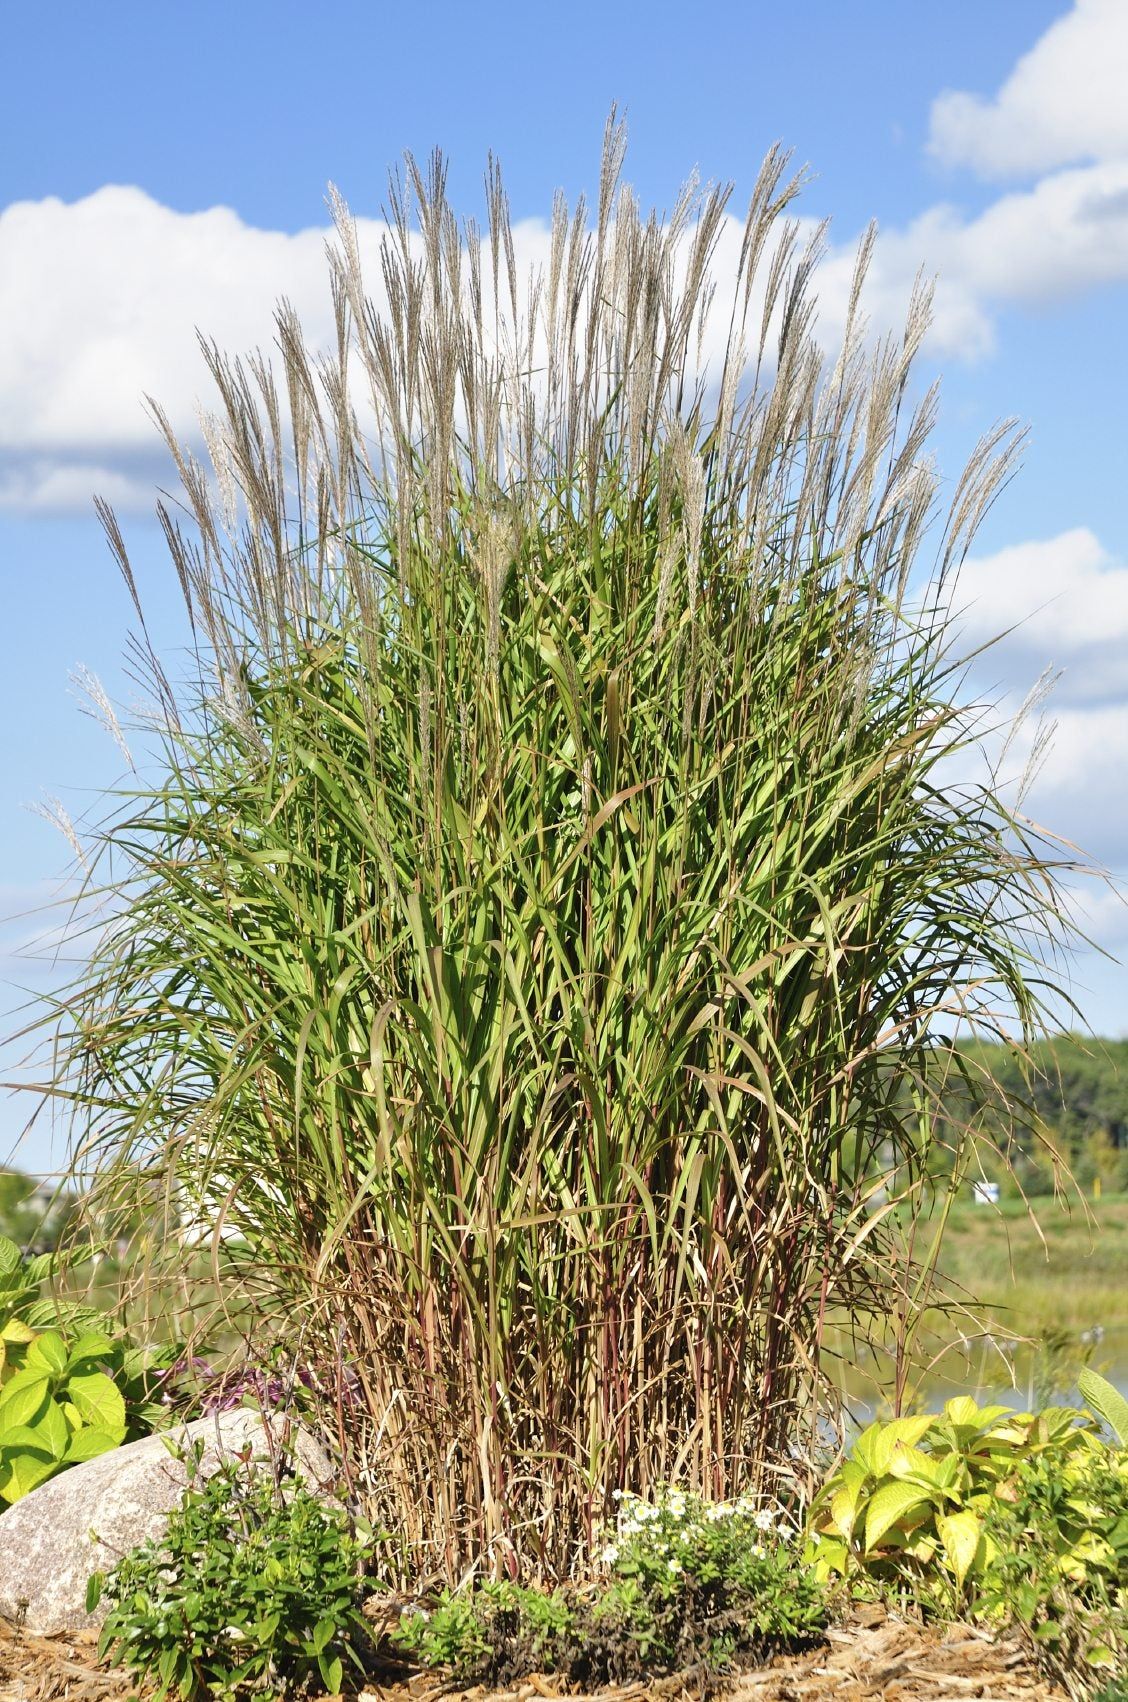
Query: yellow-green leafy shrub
point(911, 1502)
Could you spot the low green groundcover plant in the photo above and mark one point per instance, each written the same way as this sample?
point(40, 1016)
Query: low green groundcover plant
point(251, 1589)
point(687, 1583)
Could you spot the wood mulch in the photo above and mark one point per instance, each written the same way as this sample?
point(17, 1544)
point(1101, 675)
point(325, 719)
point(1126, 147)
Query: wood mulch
point(884, 1660)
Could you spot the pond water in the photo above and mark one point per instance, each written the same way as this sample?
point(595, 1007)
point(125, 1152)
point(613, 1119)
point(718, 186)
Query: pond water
point(997, 1372)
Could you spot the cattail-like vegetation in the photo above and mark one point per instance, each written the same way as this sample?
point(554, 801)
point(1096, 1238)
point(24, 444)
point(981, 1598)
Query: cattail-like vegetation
point(543, 944)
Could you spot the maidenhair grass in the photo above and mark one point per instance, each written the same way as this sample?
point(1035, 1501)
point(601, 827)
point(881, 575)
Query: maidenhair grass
point(541, 947)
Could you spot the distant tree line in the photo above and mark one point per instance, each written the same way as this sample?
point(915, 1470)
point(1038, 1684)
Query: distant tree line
point(1078, 1104)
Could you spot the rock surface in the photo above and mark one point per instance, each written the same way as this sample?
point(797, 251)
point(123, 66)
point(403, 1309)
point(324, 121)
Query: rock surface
point(47, 1551)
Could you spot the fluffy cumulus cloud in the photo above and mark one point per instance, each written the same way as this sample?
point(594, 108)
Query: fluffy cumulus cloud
point(1055, 611)
point(1063, 102)
point(106, 293)
point(1062, 603)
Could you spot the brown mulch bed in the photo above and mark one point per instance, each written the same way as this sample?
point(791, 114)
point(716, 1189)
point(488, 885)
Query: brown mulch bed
point(889, 1660)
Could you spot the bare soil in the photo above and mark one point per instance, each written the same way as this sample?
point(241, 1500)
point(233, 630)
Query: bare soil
point(885, 1660)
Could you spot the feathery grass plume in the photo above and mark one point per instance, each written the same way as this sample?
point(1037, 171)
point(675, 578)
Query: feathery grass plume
point(542, 947)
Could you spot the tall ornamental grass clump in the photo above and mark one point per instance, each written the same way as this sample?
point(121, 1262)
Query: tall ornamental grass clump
point(541, 945)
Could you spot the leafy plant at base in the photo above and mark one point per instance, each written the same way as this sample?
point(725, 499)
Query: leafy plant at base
point(21, 1284)
point(250, 1588)
point(911, 1504)
point(689, 1584)
point(539, 953)
point(1060, 1567)
point(66, 1394)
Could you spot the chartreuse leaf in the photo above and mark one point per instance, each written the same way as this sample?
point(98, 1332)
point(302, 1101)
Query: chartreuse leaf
point(23, 1464)
point(960, 1533)
point(844, 1510)
point(91, 1348)
point(1106, 1401)
point(51, 1430)
point(900, 1432)
point(100, 1402)
point(17, 1333)
point(23, 1397)
point(891, 1505)
point(10, 1257)
point(48, 1353)
point(88, 1443)
point(864, 1446)
point(909, 1462)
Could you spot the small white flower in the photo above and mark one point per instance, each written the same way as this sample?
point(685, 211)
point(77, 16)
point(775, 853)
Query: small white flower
point(764, 1520)
point(609, 1555)
point(674, 1566)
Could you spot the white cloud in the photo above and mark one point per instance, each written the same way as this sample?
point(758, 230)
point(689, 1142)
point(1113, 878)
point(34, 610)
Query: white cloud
point(1079, 791)
point(104, 295)
point(1065, 600)
point(101, 299)
point(1063, 102)
point(1066, 235)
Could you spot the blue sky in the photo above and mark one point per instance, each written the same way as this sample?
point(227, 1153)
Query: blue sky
point(989, 141)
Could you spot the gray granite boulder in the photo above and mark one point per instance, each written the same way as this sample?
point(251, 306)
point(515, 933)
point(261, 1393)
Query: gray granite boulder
point(47, 1551)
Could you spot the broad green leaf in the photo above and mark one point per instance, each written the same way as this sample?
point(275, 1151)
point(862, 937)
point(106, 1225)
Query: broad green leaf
point(960, 1534)
point(1106, 1401)
point(864, 1446)
point(90, 1347)
point(829, 1555)
point(909, 1462)
point(88, 1443)
point(962, 1411)
point(332, 1673)
point(48, 1353)
point(51, 1430)
point(17, 1332)
point(11, 1259)
point(23, 1397)
point(852, 1473)
point(22, 1469)
point(844, 1510)
point(989, 1416)
point(900, 1432)
point(100, 1402)
point(891, 1505)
